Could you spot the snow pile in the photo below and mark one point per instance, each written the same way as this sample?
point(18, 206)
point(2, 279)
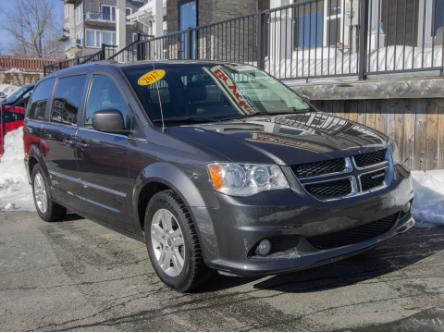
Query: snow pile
point(7, 89)
point(428, 205)
point(15, 191)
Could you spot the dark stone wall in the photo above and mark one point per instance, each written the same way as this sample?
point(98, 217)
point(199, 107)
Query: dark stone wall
point(211, 11)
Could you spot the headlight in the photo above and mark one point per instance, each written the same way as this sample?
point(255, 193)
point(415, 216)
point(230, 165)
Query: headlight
point(246, 179)
point(395, 153)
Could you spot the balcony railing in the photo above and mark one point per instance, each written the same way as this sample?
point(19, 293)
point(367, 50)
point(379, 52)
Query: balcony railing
point(99, 17)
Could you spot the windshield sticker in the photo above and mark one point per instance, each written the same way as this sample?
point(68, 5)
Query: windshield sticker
point(151, 77)
point(232, 89)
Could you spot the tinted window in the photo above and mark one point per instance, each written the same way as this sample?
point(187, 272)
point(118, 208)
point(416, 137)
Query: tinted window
point(105, 95)
point(39, 99)
point(67, 99)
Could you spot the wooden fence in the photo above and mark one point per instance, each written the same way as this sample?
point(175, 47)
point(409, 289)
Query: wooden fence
point(26, 64)
point(417, 125)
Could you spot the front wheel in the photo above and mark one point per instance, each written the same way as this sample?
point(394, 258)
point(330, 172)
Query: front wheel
point(47, 209)
point(173, 244)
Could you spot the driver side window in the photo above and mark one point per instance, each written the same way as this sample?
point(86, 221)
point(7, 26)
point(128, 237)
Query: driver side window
point(105, 95)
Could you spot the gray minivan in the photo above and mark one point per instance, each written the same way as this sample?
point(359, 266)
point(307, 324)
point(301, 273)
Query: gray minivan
point(215, 166)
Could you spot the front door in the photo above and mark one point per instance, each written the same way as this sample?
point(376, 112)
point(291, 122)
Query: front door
point(187, 20)
point(59, 136)
point(103, 165)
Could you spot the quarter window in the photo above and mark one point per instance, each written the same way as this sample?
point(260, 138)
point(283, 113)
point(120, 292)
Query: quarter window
point(105, 95)
point(39, 100)
point(67, 99)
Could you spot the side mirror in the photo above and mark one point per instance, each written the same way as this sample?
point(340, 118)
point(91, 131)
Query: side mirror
point(110, 121)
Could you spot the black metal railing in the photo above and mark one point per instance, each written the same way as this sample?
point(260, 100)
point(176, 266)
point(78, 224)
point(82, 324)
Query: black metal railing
point(104, 53)
point(313, 39)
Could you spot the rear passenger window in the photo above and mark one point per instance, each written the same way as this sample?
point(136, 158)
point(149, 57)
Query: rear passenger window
point(105, 95)
point(67, 99)
point(39, 100)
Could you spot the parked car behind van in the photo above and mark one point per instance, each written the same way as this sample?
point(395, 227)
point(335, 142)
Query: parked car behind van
point(12, 111)
point(215, 166)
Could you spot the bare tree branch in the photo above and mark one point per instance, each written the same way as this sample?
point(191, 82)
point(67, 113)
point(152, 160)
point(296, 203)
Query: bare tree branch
point(33, 26)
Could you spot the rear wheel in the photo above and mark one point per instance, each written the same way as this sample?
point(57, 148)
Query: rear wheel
point(47, 209)
point(173, 244)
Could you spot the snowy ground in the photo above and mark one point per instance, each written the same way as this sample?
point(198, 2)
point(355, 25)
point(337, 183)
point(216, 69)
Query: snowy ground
point(15, 192)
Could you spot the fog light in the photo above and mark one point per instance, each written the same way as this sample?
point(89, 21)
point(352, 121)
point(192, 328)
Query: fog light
point(407, 208)
point(264, 248)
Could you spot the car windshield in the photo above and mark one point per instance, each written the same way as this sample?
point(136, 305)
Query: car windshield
point(210, 92)
point(16, 94)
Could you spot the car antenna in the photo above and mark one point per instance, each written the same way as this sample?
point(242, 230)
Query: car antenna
point(160, 102)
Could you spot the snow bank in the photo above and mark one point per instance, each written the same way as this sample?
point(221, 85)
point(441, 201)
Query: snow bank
point(428, 205)
point(15, 192)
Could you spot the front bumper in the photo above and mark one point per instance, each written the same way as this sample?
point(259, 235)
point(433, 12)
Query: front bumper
point(230, 233)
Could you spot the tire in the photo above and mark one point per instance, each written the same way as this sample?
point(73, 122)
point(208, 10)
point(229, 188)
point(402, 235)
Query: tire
point(47, 209)
point(183, 275)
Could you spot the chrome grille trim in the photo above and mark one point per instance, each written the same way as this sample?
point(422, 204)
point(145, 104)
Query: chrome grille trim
point(348, 168)
point(354, 174)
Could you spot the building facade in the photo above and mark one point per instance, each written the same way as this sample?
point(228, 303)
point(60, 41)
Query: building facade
point(89, 23)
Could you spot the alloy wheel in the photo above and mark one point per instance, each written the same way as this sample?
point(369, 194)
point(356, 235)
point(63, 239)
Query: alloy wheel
point(41, 198)
point(167, 242)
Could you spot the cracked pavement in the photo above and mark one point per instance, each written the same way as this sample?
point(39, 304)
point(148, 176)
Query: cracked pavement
point(77, 275)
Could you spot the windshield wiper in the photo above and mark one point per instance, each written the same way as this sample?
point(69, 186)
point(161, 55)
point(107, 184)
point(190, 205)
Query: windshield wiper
point(192, 120)
point(279, 113)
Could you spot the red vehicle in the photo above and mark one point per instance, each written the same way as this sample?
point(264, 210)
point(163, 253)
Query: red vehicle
point(12, 111)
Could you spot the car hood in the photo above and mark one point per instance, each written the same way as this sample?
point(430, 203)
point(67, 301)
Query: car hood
point(281, 139)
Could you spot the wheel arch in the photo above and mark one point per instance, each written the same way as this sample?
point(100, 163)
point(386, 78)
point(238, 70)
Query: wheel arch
point(35, 157)
point(159, 177)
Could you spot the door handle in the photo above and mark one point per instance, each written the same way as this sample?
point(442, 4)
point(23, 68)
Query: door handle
point(82, 145)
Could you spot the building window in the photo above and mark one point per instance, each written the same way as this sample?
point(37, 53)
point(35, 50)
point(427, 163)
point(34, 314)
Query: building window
point(108, 13)
point(79, 38)
point(187, 19)
point(318, 24)
point(134, 36)
point(438, 21)
point(309, 25)
point(128, 11)
point(95, 38)
point(333, 22)
point(187, 14)
point(79, 14)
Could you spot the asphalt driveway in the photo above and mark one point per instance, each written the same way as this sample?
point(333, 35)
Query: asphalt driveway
point(77, 275)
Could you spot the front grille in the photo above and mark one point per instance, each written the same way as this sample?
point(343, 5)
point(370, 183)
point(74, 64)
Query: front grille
point(372, 180)
point(363, 160)
point(354, 235)
point(331, 189)
point(319, 168)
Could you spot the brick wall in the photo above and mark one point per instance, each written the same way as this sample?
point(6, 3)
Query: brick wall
point(234, 40)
